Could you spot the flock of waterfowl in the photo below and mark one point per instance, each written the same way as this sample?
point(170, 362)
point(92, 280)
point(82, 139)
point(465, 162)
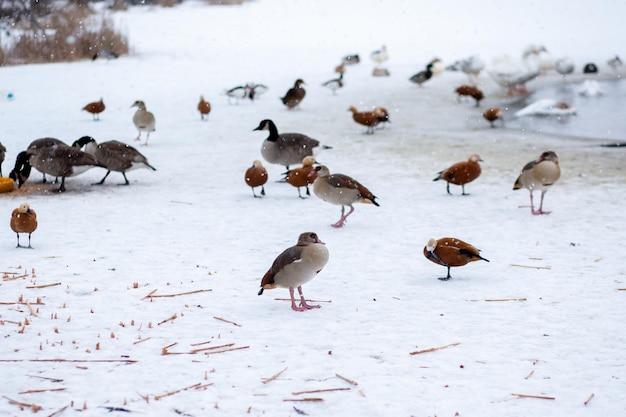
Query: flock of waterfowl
point(300, 263)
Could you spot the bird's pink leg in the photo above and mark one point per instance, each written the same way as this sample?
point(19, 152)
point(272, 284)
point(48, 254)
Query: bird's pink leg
point(540, 211)
point(343, 218)
point(303, 303)
point(294, 307)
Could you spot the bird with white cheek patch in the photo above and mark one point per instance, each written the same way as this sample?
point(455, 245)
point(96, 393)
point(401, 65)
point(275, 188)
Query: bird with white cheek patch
point(295, 267)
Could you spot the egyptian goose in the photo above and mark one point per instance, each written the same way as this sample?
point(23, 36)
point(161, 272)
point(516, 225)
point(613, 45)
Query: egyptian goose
point(114, 156)
point(294, 95)
point(95, 108)
point(423, 76)
point(204, 107)
point(380, 55)
point(461, 173)
point(295, 267)
point(340, 190)
point(3, 151)
point(369, 118)
point(286, 148)
point(144, 120)
point(335, 83)
point(449, 252)
point(256, 176)
point(539, 175)
point(299, 177)
point(23, 220)
point(469, 91)
point(53, 157)
point(492, 114)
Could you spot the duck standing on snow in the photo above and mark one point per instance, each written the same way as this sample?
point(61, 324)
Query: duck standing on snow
point(95, 108)
point(143, 120)
point(369, 118)
point(114, 156)
point(423, 76)
point(335, 83)
point(340, 190)
point(256, 176)
point(469, 91)
point(286, 148)
point(300, 177)
point(23, 220)
point(294, 95)
point(351, 59)
point(492, 114)
point(296, 266)
point(204, 107)
point(451, 252)
point(461, 173)
point(539, 175)
point(380, 55)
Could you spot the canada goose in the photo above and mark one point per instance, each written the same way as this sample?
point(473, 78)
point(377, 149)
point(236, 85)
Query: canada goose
point(53, 157)
point(286, 148)
point(114, 156)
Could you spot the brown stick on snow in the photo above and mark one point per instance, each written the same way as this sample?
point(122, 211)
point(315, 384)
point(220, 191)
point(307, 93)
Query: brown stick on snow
point(226, 321)
point(589, 399)
point(530, 374)
point(349, 381)
point(72, 360)
point(152, 295)
point(273, 377)
point(43, 285)
point(312, 301)
point(173, 317)
point(59, 411)
point(316, 391)
point(541, 397)
point(531, 266)
point(167, 394)
point(303, 399)
point(33, 407)
point(227, 350)
point(417, 352)
point(37, 391)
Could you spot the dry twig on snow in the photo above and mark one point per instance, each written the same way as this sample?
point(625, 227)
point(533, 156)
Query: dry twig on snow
point(317, 391)
point(589, 399)
point(348, 380)
point(417, 352)
point(541, 397)
point(273, 377)
point(227, 321)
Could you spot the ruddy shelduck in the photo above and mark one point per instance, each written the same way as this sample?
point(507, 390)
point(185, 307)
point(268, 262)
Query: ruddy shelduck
point(461, 173)
point(451, 252)
point(95, 108)
point(204, 107)
point(256, 176)
point(23, 220)
point(299, 177)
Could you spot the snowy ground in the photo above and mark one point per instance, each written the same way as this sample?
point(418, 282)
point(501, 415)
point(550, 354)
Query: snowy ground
point(80, 331)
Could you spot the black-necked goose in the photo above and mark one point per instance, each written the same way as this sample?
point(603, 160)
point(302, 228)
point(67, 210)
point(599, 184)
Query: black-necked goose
point(286, 148)
point(114, 156)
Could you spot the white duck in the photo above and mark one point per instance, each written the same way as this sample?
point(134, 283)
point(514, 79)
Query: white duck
point(590, 88)
point(472, 66)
